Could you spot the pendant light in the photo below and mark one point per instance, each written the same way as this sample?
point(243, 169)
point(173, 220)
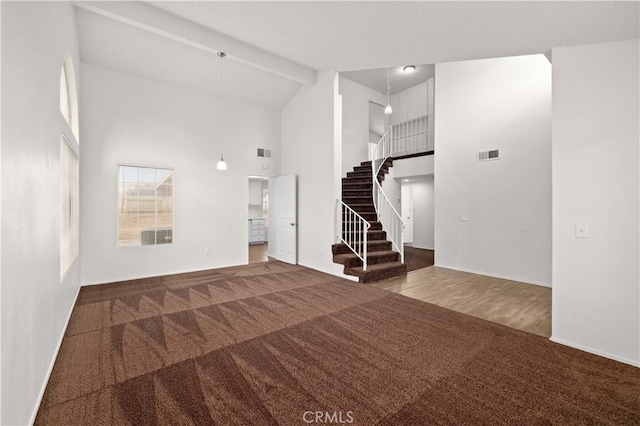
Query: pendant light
point(387, 109)
point(222, 165)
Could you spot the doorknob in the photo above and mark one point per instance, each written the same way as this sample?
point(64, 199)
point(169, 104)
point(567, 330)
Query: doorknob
point(292, 224)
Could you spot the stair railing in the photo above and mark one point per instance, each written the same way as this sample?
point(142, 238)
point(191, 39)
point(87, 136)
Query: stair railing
point(388, 216)
point(351, 229)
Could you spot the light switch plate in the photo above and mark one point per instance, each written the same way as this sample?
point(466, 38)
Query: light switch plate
point(464, 217)
point(582, 230)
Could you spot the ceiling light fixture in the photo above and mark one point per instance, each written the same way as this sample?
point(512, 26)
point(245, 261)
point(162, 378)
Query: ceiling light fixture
point(222, 165)
point(409, 69)
point(387, 109)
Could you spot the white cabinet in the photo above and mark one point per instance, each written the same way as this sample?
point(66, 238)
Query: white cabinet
point(255, 192)
point(257, 231)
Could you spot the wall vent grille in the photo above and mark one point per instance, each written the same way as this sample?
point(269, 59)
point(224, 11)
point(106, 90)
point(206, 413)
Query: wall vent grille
point(264, 153)
point(493, 154)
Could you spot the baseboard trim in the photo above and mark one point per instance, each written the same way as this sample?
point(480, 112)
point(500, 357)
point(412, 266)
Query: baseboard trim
point(487, 274)
point(53, 360)
point(595, 352)
point(423, 248)
point(183, 271)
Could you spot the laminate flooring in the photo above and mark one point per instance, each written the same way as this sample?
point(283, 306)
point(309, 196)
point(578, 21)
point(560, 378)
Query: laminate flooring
point(525, 307)
point(258, 253)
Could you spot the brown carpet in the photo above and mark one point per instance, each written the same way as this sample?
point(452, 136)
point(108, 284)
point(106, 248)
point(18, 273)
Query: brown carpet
point(416, 258)
point(265, 343)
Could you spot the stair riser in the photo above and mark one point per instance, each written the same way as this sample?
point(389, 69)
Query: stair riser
point(357, 185)
point(356, 262)
point(357, 180)
point(359, 174)
point(363, 169)
point(363, 209)
point(375, 226)
point(371, 247)
point(357, 200)
point(371, 236)
point(381, 275)
point(363, 193)
point(368, 216)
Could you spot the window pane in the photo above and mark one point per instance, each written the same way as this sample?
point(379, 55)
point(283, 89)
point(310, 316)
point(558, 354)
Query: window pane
point(146, 175)
point(64, 96)
point(164, 176)
point(130, 174)
point(128, 230)
point(68, 206)
point(145, 206)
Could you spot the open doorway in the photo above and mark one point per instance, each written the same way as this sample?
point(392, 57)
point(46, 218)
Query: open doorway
point(417, 207)
point(258, 218)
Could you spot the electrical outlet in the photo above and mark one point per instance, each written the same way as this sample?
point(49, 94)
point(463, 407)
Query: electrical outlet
point(464, 217)
point(207, 252)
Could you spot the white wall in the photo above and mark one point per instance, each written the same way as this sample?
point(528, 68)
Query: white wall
point(411, 167)
point(137, 121)
point(355, 122)
point(596, 172)
point(392, 187)
point(494, 104)
point(311, 150)
point(35, 304)
point(423, 208)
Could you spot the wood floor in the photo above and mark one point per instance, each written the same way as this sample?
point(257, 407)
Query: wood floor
point(517, 305)
point(526, 307)
point(258, 253)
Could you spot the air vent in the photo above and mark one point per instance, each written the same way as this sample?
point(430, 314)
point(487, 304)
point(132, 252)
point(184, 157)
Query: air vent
point(494, 154)
point(264, 153)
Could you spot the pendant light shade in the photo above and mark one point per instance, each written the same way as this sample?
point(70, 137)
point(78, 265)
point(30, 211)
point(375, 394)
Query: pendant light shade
point(388, 110)
point(222, 165)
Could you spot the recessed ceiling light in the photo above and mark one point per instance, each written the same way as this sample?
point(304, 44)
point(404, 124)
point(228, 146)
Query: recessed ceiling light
point(408, 69)
point(406, 180)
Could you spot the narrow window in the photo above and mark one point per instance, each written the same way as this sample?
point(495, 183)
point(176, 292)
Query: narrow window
point(69, 163)
point(145, 206)
point(65, 107)
point(69, 95)
point(68, 205)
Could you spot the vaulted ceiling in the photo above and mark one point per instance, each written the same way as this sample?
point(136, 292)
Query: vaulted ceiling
point(276, 47)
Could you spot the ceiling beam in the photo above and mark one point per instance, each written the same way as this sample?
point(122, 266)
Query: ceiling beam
point(156, 21)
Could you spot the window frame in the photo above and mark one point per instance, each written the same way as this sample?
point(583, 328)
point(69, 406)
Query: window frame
point(117, 206)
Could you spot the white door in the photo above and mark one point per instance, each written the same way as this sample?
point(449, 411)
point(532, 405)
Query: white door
point(287, 222)
point(407, 212)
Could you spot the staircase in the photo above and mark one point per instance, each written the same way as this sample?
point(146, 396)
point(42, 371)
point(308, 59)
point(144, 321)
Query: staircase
point(382, 261)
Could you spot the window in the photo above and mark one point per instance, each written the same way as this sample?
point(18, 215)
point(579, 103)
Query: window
point(69, 95)
point(145, 206)
point(69, 161)
point(68, 205)
point(65, 108)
